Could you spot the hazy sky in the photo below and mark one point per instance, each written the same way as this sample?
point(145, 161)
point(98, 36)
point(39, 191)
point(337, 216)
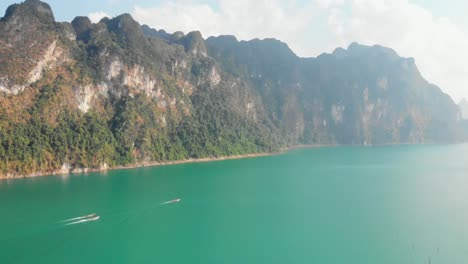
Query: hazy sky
point(434, 32)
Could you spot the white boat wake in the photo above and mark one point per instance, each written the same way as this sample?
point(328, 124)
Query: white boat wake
point(79, 218)
point(95, 217)
point(84, 220)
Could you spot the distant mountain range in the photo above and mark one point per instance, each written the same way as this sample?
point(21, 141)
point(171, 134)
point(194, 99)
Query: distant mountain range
point(82, 95)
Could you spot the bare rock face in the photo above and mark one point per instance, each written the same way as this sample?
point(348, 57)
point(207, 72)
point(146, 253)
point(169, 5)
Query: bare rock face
point(359, 95)
point(28, 43)
point(48, 58)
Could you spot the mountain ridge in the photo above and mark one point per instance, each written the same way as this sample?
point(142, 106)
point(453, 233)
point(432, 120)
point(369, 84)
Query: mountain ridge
point(115, 93)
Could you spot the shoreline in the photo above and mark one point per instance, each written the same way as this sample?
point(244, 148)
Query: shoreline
point(79, 171)
point(155, 163)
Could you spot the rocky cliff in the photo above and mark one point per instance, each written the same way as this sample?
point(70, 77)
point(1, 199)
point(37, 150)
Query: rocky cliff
point(359, 95)
point(96, 95)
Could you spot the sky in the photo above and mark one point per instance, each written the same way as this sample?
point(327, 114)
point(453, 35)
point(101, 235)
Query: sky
point(434, 32)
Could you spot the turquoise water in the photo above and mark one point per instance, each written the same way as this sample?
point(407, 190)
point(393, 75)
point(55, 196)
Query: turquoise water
point(400, 204)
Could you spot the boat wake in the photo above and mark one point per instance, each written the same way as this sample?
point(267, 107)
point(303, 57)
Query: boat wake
point(95, 217)
point(84, 220)
point(79, 218)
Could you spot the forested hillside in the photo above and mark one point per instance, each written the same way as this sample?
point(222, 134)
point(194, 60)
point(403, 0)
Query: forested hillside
point(85, 95)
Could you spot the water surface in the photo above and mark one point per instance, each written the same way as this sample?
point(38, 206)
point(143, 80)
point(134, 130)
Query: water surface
point(399, 204)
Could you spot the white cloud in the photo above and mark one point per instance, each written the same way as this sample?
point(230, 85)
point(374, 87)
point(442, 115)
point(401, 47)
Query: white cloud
point(97, 16)
point(329, 3)
point(245, 19)
point(438, 45)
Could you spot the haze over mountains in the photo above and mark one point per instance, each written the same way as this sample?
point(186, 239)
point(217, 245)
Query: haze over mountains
point(82, 95)
point(464, 108)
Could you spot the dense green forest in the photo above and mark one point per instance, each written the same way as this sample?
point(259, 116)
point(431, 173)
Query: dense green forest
point(88, 140)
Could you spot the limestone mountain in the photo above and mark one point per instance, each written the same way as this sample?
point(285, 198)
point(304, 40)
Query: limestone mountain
point(463, 108)
point(92, 95)
point(359, 95)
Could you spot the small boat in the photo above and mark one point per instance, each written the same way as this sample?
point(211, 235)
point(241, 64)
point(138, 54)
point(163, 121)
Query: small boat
point(173, 201)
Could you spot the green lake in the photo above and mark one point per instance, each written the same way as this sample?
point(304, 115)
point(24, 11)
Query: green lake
point(395, 204)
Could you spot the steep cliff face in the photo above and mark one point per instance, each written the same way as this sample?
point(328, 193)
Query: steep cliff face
point(96, 95)
point(371, 95)
point(359, 95)
point(79, 94)
point(28, 45)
